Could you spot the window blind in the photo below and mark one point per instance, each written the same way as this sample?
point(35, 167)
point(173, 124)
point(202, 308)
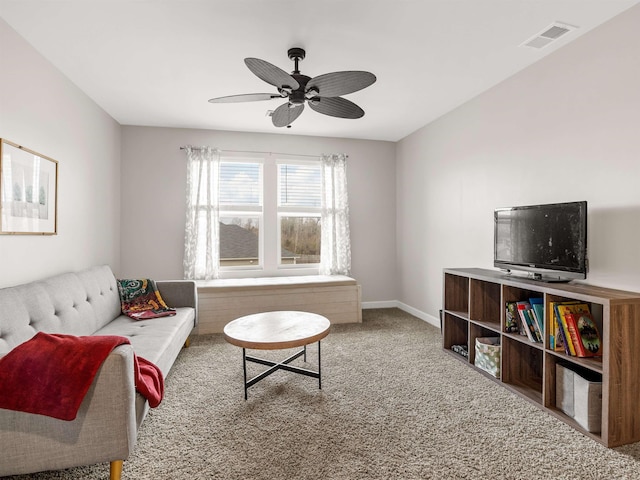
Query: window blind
point(299, 185)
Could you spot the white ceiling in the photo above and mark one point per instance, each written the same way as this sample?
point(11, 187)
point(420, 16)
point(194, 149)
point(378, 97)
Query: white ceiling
point(156, 63)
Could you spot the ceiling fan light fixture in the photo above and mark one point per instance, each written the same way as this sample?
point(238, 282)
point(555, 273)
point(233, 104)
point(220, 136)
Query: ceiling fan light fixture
point(312, 92)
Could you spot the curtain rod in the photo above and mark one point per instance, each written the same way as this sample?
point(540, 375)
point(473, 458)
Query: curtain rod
point(268, 153)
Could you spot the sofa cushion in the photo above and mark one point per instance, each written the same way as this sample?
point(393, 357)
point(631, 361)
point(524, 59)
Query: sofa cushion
point(154, 339)
point(71, 303)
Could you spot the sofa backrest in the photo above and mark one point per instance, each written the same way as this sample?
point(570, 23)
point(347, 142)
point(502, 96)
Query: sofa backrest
point(71, 303)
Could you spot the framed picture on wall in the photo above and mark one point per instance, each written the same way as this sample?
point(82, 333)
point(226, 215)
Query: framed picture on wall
point(28, 191)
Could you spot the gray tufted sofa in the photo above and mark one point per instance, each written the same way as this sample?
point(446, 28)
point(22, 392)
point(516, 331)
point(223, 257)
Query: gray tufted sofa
point(88, 303)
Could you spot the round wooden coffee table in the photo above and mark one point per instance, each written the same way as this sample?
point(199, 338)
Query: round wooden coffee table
point(275, 331)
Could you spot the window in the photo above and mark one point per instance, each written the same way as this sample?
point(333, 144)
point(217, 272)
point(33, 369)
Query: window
point(269, 215)
point(241, 213)
point(299, 213)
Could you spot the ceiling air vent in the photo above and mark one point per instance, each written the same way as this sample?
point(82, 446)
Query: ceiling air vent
point(550, 34)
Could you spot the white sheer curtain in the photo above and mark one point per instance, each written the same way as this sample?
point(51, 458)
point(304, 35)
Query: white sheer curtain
point(202, 229)
point(335, 245)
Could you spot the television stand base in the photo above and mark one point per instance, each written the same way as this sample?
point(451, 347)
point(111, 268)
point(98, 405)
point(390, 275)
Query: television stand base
point(540, 278)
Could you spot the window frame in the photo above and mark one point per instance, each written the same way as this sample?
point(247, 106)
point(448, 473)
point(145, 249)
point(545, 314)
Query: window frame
point(244, 210)
point(294, 211)
point(270, 214)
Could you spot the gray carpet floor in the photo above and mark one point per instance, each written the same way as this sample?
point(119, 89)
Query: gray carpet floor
point(393, 405)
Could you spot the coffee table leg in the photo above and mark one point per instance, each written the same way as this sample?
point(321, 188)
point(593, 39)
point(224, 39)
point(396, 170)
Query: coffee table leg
point(244, 368)
point(281, 365)
point(319, 368)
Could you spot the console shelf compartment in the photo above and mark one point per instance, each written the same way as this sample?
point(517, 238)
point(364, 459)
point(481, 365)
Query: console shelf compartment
point(474, 306)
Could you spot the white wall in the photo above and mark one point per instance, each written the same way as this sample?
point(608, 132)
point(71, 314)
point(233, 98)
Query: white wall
point(153, 199)
point(42, 110)
point(563, 129)
point(566, 128)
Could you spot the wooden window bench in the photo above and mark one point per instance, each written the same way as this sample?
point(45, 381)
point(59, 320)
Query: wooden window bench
point(220, 301)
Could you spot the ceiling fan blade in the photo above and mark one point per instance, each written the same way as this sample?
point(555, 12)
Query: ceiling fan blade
point(271, 74)
point(248, 97)
point(341, 83)
point(336, 107)
point(285, 114)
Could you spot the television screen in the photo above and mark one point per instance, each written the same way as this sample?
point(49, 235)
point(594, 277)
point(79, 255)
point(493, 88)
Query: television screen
point(544, 239)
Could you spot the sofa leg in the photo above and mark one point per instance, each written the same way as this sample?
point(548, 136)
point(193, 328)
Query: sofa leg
point(187, 342)
point(115, 470)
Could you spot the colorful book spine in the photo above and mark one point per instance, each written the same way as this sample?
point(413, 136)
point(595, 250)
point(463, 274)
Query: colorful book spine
point(563, 310)
point(536, 326)
point(562, 328)
point(511, 319)
point(525, 322)
point(572, 327)
point(556, 340)
point(524, 310)
point(588, 334)
point(538, 311)
point(512, 311)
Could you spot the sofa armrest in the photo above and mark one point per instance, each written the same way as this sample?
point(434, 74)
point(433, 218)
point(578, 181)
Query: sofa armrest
point(179, 293)
point(104, 430)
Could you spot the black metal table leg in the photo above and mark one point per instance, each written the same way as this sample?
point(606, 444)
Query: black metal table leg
point(319, 368)
point(283, 365)
point(244, 367)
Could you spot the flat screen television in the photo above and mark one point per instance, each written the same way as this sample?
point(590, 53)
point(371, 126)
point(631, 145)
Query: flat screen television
point(549, 241)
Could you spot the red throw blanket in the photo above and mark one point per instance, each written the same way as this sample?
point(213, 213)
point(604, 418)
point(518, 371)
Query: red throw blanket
point(50, 373)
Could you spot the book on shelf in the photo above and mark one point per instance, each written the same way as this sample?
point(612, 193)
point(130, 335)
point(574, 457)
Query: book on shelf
point(588, 343)
point(526, 315)
point(562, 328)
point(525, 322)
point(572, 328)
point(513, 316)
point(511, 324)
point(536, 326)
point(537, 306)
point(556, 335)
point(570, 332)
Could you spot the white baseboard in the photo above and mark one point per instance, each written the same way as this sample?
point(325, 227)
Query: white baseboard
point(383, 304)
point(430, 319)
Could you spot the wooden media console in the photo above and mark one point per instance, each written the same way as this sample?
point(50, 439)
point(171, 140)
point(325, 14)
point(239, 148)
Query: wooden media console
point(474, 307)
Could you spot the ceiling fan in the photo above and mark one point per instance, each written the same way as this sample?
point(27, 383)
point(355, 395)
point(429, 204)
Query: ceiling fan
point(323, 93)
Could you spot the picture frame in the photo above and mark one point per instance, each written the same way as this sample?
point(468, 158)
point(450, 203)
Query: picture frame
point(28, 191)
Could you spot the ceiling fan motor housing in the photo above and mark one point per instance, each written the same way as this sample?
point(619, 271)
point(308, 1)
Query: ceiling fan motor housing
point(297, 97)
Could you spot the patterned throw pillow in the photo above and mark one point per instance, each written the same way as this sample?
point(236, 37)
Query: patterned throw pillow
point(140, 299)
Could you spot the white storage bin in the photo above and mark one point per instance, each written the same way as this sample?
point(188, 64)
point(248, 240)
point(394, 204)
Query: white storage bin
point(580, 397)
point(488, 355)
